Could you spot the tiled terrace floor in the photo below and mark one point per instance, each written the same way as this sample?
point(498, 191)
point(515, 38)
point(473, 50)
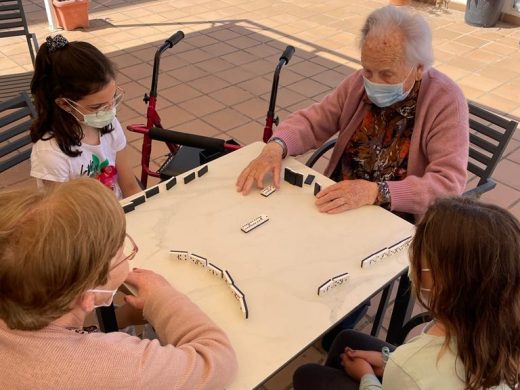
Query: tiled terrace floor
point(217, 81)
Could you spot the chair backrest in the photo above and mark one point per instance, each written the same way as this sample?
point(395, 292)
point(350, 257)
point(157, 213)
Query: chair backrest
point(13, 23)
point(489, 136)
point(16, 116)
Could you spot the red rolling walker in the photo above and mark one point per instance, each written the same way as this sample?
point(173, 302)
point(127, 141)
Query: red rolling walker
point(188, 151)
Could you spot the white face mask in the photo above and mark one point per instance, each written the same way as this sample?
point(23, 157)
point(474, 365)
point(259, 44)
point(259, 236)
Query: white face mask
point(100, 119)
point(384, 95)
point(107, 296)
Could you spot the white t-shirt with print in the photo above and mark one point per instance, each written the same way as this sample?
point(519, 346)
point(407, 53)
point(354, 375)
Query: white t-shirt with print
point(48, 162)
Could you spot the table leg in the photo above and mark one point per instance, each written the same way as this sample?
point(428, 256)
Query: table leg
point(381, 310)
point(402, 311)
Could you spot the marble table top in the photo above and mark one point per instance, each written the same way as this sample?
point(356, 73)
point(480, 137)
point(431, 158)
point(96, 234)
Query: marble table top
point(278, 266)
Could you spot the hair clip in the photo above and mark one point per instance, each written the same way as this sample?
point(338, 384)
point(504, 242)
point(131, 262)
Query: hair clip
point(56, 42)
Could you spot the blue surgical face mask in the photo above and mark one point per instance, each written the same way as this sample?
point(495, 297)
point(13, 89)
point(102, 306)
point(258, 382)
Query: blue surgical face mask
point(384, 95)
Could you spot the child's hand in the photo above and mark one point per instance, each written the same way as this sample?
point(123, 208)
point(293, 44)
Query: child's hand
point(145, 282)
point(374, 358)
point(356, 368)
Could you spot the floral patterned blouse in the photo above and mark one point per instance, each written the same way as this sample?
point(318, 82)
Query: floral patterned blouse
point(378, 150)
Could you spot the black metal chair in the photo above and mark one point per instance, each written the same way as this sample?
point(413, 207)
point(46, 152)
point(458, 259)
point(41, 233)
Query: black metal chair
point(16, 115)
point(13, 23)
point(489, 136)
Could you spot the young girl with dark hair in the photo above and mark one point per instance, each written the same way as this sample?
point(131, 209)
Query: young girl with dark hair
point(76, 132)
point(465, 269)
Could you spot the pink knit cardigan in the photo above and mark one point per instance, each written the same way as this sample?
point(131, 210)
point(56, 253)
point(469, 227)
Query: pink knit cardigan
point(191, 353)
point(439, 146)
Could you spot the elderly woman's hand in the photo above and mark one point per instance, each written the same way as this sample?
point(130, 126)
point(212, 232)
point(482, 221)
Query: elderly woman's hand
point(346, 195)
point(145, 282)
point(270, 160)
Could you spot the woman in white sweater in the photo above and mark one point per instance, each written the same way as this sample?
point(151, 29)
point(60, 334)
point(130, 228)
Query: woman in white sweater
point(465, 269)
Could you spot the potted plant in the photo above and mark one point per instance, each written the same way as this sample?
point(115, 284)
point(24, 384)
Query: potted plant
point(483, 13)
point(71, 14)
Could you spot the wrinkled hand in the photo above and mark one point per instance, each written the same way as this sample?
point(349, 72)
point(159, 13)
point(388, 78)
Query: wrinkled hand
point(346, 195)
point(374, 358)
point(269, 160)
point(356, 368)
point(145, 282)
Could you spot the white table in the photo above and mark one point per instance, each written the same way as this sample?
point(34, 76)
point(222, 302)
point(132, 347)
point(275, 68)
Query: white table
point(278, 266)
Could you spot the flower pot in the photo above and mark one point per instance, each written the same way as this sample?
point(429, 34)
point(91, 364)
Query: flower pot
point(71, 14)
point(483, 13)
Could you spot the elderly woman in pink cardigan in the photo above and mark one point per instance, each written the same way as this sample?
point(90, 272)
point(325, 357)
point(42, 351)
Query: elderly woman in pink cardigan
point(402, 126)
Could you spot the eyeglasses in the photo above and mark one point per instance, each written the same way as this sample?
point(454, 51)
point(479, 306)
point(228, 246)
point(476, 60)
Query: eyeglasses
point(116, 100)
point(130, 249)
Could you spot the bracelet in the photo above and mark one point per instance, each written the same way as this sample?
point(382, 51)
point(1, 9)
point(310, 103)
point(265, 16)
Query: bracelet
point(383, 194)
point(280, 142)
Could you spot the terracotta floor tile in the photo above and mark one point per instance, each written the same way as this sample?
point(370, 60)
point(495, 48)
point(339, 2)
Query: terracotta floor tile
point(234, 76)
point(224, 35)
point(263, 50)
point(498, 102)
point(138, 71)
point(508, 91)
point(198, 127)
point(471, 93)
point(300, 105)
point(255, 108)
point(214, 65)
point(497, 72)
point(226, 119)
point(455, 48)
point(256, 86)
point(202, 40)
point(231, 95)
point(471, 41)
point(179, 93)
point(188, 73)
point(247, 133)
point(174, 116)
point(285, 97)
point(172, 62)
point(499, 48)
point(195, 55)
point(502, 195)
point(508, 172)
point(209, 84)
point(243, 42)
point(479, 82)
point(259, 67)
point(219, 49)
point(308, 68)
point(466, 64)
point(308, 88)
point(202, 105)
point(239, 57)
point(331, 78)
point(515, 155)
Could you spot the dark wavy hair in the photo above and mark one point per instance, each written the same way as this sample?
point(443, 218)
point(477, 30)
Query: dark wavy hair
point(74, 71)
point(473, 251)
